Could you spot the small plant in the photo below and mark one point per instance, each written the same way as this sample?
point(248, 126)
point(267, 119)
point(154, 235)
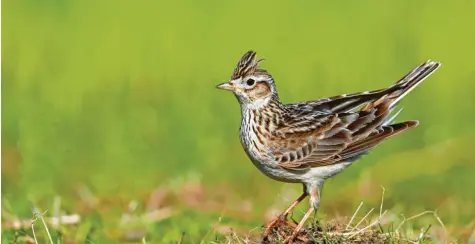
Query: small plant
point(336, 232)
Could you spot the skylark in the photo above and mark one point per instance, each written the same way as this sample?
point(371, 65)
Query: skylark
point(309, 142)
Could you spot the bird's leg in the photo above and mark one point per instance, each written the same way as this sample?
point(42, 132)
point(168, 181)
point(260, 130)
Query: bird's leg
point(284, 215)
point(314, 193)
point(292, 207)
point(297, 229)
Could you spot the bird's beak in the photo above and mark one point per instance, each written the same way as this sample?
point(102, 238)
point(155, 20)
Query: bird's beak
point(226, 86)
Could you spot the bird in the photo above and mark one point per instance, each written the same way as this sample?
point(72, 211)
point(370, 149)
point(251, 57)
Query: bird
point(310, 142)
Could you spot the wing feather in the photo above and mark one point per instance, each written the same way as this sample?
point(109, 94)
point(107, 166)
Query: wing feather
point(331, 130)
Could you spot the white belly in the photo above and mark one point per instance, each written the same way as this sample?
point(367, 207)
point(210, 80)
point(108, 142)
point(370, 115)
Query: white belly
point(274, 171)
point(324, 172)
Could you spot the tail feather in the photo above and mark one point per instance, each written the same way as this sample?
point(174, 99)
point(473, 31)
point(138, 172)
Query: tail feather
point(369, 99)
point(405, 85)
point(412, 79)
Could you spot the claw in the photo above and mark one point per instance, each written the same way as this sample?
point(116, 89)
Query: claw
point(273, 223)
point(283, 216)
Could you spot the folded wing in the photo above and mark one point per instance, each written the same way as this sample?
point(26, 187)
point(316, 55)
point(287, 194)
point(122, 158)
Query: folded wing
point(339, 128)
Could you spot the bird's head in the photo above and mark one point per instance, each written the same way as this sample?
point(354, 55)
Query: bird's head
point(252, 86)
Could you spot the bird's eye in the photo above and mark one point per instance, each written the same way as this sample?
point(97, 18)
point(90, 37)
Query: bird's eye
point(250, 82)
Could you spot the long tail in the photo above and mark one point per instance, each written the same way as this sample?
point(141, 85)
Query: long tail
point(401, 88)
point(350, 102)
point(410, 81)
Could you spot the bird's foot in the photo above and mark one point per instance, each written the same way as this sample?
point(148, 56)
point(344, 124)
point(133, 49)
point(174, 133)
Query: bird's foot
point(280, 219)
point(291, 238)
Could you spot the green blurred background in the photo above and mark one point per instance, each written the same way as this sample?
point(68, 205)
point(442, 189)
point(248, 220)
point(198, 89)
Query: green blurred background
point(116, 101)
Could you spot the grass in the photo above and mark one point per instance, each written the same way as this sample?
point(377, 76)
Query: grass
point(137, 221)
point(110, 115)
point(366, 229)
point(190, 209)
point(335, 231)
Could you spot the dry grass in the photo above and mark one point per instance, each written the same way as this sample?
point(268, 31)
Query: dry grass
point(380, 226)
point(348, 230)
point(332, 232)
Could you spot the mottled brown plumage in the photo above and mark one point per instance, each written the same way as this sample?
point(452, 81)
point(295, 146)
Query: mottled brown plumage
point(309, 142)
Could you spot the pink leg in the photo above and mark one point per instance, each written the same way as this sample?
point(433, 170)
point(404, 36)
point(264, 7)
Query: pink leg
point(297, 229)
point(284, 215)
point(314, 192)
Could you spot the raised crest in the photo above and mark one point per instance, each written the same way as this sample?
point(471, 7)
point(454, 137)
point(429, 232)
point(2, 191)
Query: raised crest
point(247, 65)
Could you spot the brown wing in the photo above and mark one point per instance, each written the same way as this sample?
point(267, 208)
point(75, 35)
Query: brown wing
point(339, 134)
point(342, 136)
